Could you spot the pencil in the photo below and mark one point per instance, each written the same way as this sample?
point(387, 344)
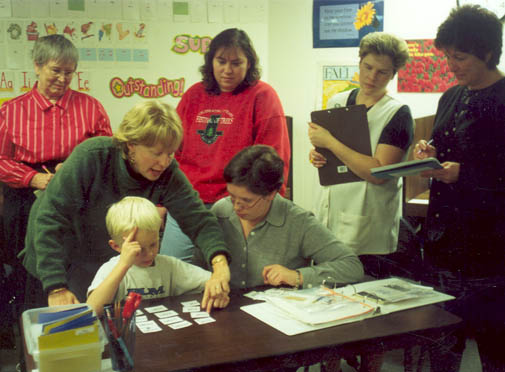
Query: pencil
point(47, 170)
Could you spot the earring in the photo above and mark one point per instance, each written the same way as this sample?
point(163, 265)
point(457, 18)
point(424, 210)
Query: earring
point(131, 158)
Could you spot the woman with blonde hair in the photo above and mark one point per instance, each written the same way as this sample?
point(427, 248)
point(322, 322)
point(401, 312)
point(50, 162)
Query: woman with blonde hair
point(67, 238)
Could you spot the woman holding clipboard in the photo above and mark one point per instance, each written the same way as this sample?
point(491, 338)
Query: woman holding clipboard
point(366, 215)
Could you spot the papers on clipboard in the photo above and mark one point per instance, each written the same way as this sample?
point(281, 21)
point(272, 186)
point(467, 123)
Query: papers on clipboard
point(350, 126)
point(405, 168)
point(282, 320)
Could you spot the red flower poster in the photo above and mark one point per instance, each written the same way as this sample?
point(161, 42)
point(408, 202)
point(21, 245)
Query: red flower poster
point(426, 71)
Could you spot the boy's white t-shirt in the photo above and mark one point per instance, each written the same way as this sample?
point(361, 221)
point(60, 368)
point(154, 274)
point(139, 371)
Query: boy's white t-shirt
point(169, 276)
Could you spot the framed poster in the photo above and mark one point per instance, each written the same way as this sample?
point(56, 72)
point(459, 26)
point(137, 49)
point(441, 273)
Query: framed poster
point(427, 71)
point(342, 23)
point(336, 78)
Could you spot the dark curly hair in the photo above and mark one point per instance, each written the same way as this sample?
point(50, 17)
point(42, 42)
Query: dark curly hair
point(258, 167)
point(474, 30)
point(235, 38)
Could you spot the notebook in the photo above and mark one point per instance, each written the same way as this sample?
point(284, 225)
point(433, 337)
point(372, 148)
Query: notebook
point(349, 125)
point(405, 168)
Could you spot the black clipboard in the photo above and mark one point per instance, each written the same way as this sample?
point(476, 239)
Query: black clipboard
point(349, 125)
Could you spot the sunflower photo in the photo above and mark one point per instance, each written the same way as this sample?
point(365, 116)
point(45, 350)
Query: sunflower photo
point(343, 23)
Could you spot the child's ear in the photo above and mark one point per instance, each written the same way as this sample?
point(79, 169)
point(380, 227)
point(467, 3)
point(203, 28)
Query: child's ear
point(114, 246)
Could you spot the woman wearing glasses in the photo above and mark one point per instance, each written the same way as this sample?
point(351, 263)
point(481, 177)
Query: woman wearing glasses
point(273, 241)
point(38, 130)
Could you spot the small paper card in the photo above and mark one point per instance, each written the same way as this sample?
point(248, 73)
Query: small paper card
point(172, 320)
point(191, 309)
point(190, 303)
point(166, 314)
point(204, 320)
point(154, 309)
point(148, 327)
point(200, 314)
point(179, 325)
point(141, 319)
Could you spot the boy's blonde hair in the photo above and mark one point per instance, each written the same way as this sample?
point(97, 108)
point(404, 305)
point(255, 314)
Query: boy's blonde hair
point(129, 212)
point(148, 123)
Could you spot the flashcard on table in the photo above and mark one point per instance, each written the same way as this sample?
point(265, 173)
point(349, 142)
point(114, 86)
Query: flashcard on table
point(204, 320)
point(148, 327)
point(200, 314)
point(179, 325)
point(166, 314)
point(138, 312)
point(190, 303)
point(141, 319)
point(172, 320)
point(191, 309)
point(155, 309)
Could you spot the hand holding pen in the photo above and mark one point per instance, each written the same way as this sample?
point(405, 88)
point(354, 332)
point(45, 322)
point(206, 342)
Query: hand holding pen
point(40, 180)
point(424, 149)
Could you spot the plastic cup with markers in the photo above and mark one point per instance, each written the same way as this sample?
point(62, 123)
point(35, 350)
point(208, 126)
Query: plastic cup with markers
point(119, 324)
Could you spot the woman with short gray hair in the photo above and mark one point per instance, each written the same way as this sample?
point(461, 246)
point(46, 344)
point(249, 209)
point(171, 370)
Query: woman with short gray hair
point(38, 131)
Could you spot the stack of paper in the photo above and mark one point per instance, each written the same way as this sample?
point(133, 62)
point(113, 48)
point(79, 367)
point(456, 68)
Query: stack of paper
point(318, 305)
point(64, 338)
point(69, 327)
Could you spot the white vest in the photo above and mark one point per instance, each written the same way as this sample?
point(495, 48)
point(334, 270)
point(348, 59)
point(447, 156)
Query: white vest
point(364, 216)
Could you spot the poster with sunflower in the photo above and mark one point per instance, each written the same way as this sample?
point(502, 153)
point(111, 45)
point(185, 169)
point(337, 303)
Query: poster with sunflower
point(343, 23)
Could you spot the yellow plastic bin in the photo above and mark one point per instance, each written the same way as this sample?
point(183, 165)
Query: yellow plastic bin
point(76, 350)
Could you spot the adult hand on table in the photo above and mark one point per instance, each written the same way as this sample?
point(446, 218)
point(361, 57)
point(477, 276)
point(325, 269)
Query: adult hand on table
point(217, 287)
point(278, 275)
point(61, 297)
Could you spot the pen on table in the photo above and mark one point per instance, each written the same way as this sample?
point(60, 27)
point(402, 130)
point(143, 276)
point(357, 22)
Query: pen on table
point(318, 299)
point(428, 143)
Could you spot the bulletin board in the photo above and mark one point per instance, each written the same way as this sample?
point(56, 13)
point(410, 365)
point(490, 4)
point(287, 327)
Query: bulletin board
point(129, 50)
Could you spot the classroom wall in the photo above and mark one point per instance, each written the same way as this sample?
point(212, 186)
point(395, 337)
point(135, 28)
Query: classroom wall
point(204, 19)
point(293, 68)
point(281, 31)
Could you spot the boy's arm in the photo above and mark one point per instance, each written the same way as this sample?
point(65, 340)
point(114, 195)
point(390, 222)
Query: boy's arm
point(106, 290)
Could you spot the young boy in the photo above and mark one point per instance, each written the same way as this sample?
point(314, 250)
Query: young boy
point(133, 224)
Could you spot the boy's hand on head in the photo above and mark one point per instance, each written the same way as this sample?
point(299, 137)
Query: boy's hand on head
point(130, 249)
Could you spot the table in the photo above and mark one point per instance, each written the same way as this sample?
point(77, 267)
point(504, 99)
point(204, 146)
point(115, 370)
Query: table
point(239, 341)
point(237, 338)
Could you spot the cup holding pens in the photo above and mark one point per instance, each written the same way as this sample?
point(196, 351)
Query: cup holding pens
point(121, 335)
